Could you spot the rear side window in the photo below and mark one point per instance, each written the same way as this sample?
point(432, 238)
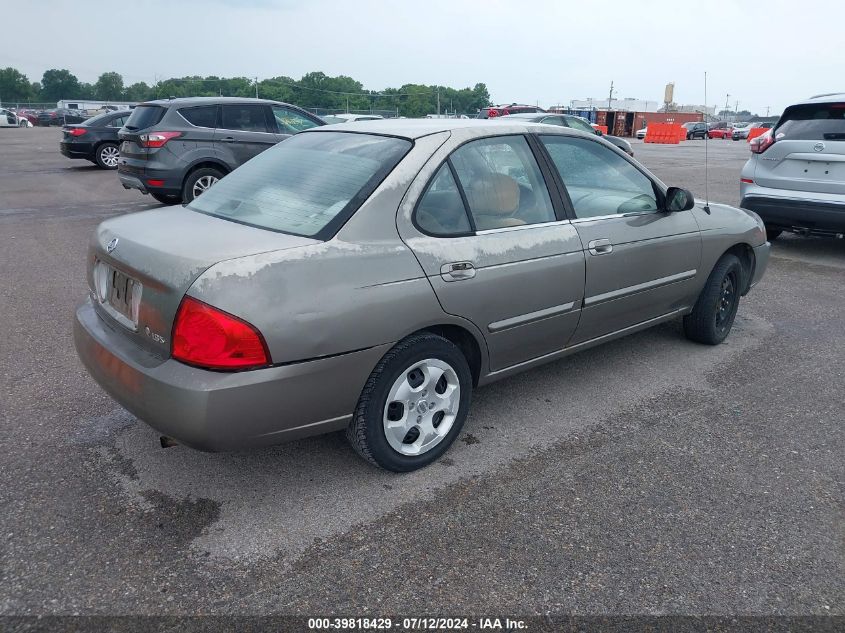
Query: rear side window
point(144, 116)
point(245, 117)
point(308, 185)
point(813, 122)
point(441, 210)
point(201, 116)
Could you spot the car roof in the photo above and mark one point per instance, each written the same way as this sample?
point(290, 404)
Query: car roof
point(208, 100)
point(824, 98)
point(417, 128)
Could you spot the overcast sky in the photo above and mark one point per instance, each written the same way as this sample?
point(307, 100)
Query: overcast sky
point(764, 53)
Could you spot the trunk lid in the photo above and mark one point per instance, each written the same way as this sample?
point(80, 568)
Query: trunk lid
point(152, 258)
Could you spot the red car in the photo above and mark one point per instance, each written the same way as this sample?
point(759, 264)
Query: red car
point(720, 133)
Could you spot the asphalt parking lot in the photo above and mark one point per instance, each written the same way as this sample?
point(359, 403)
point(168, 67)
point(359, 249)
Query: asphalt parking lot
point(648, 476)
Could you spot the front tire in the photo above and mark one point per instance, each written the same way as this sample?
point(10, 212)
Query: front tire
point(199, 182)
point(107, 156)
point(713, 315)
point(413, 405)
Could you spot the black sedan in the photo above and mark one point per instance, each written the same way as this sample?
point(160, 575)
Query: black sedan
point(96, 139)
point(570, 120)
point(60, 116)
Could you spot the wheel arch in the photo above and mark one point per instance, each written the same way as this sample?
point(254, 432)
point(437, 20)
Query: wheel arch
point(202, 163)
point(745, 254)
point(464, 340)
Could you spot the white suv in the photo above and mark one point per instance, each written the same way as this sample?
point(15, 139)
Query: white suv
point(795, 178)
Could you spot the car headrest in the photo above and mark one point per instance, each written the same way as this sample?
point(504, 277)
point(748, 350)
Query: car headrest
point(494, 194)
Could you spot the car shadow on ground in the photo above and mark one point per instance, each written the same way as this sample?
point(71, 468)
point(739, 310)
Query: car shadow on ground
point(273, 502)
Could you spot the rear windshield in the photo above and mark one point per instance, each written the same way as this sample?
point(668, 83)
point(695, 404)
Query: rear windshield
point(144, 116)
point(100, 119)
point(308, 185)
point(813, 122)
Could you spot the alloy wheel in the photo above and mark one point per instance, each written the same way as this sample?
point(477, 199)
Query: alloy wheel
point(202, 184)
point(109, 155)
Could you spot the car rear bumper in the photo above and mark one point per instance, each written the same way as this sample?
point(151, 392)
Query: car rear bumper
point(76, 150)
point(220, 411)
point(799, 215)
point(169, 185)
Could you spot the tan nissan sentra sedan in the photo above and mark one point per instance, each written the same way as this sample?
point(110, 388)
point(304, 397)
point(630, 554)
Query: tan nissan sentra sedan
point(367, 276)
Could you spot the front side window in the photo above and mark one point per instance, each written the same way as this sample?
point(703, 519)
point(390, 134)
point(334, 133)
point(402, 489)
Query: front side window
point(308, 185)
point(502, 183)
point(245, 117)
point(577, 124)
point(552, 120)
point(290, 121)
point(441, 210)
point(599, 181)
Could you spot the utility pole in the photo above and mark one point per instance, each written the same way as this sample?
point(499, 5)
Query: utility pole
point(256, 87)
point(767, 112)
point(736, 109)
point(610, 96)
point(438, 101)
point(727, 96)
point(347, 104)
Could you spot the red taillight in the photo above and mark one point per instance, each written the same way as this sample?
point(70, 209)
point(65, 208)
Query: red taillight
point(210, 338)
point(77, 131)
point(157, 139)
point(761, 143)
point(747, 181)
point(155, 182)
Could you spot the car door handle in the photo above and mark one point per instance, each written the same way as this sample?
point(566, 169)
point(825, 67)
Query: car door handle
point(228, 139)
point(457, 271)
point(600, 247)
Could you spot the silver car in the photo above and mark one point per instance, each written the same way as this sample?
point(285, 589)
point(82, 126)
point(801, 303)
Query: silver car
point(795, 178)
point(368, 276)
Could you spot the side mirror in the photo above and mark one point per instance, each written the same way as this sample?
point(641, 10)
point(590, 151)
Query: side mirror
point(678, 199)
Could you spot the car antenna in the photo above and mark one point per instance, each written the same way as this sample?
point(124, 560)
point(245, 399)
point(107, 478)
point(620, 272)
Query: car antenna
point(706, 135)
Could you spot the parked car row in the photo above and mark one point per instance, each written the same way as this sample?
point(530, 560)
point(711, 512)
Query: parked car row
point(10, 118)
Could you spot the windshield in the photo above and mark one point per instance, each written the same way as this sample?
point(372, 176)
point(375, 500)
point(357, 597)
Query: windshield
point(308, 185)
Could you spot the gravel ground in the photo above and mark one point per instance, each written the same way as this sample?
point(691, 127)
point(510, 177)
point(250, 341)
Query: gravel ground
point(648, 476)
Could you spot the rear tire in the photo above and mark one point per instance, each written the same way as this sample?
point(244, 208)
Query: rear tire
point(199, 181)
point(106, 156)
point(773, 234)
point(165, 198)
point(713, 315)
point(420, 385)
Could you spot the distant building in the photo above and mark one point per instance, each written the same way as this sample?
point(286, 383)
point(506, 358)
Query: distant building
point(703, 109)
point(87, 104)
point(634, 105)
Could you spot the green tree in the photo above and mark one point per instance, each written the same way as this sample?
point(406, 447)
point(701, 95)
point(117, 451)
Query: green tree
point(14, 86)
point(139, 92)
point(59, 84)
point(109, 87)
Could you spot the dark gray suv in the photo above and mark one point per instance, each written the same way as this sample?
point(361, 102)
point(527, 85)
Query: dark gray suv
point(174, 149)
